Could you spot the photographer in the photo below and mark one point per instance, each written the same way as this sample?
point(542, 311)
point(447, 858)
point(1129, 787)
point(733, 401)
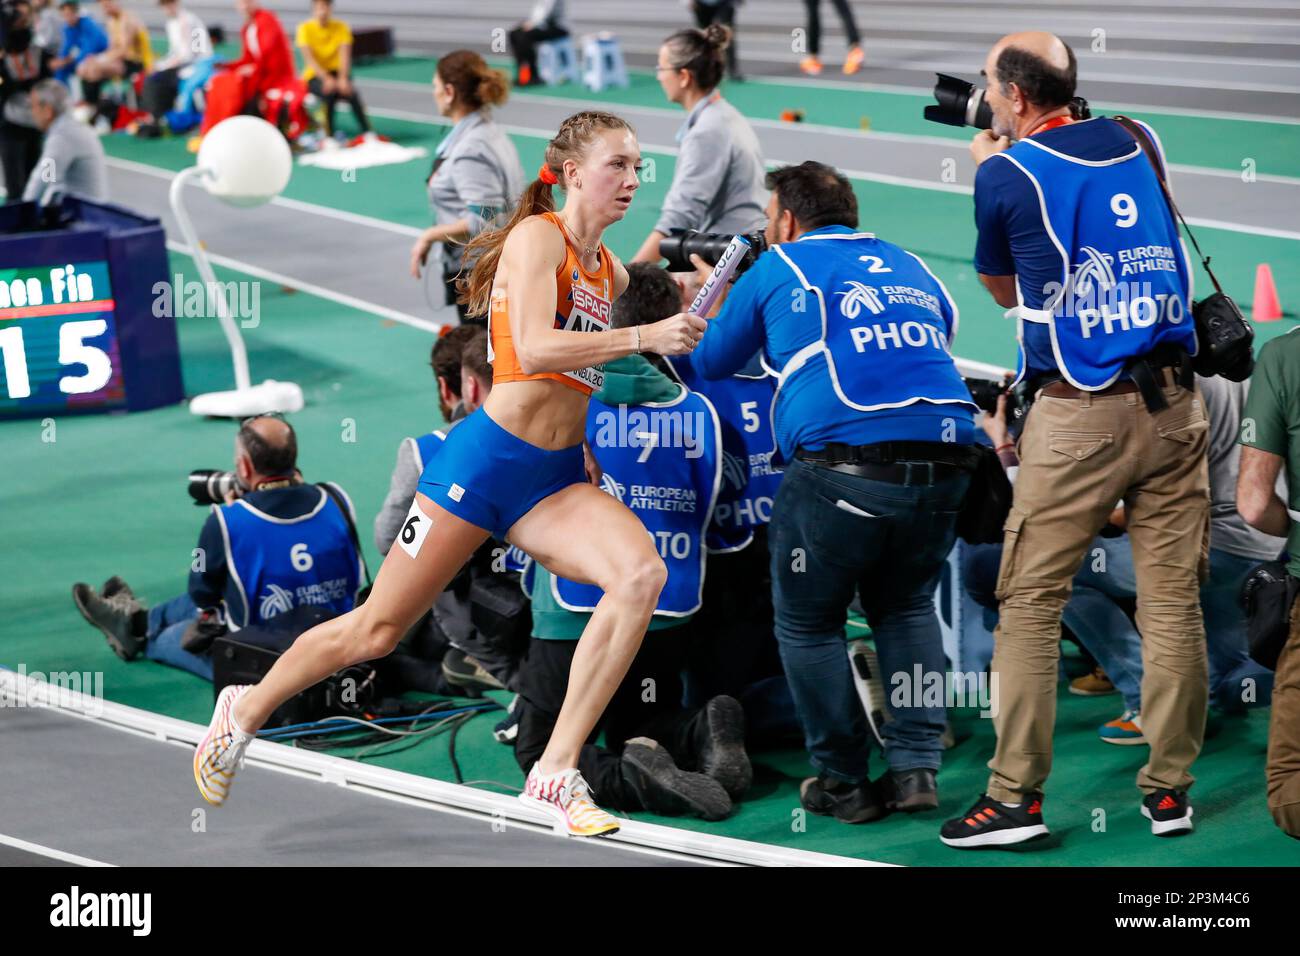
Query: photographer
point(72, 157)
point(1067, 211)
point(276, 544)
point(1270, 438)
point(718, 180)
point(875, 423)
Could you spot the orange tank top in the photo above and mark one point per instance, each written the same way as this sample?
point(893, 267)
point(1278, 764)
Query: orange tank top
point(582, 304)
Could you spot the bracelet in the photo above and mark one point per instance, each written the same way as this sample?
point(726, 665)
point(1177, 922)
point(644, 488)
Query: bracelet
point(1003, 447)
point(637, 330)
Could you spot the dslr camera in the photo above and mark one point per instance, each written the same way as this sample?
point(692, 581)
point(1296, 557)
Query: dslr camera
point(958, 103)
point(709, 246)
point(208, 486)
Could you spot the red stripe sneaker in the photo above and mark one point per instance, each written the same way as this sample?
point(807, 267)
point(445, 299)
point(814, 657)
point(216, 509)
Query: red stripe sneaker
point(565, 797)
point(1169, 811)
point(221, 752)
point(992, 823)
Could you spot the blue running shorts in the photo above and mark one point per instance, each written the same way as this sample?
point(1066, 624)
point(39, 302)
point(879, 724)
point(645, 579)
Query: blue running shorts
point(485, 475)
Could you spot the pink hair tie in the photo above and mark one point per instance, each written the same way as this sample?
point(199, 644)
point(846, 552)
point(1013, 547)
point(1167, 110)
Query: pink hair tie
point(546, 176)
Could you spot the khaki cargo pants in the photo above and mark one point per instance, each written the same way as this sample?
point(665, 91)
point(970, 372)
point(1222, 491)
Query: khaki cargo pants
point(1283, 770)
point(1078, 458)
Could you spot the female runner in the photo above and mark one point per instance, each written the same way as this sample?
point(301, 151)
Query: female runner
point(515, 469)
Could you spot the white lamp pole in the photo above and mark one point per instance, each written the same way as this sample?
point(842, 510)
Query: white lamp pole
point(244, 161)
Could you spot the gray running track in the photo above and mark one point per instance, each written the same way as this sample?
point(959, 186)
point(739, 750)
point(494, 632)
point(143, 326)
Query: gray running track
point(116, 797)
point(1230, 55)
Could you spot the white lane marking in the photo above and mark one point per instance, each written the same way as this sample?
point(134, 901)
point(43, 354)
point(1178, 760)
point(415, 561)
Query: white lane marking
point(50, 852)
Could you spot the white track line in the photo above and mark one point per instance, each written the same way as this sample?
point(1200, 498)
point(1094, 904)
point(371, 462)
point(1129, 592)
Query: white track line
point(435, 795)
point(50, 852)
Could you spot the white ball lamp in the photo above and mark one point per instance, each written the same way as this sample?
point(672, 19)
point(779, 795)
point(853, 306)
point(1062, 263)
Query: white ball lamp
point(244, 161)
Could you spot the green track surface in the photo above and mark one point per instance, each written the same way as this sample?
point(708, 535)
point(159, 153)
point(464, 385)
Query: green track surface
point(108, 497)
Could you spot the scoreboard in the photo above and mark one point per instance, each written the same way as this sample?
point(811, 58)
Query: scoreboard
point(58, 340)
point(78, 328)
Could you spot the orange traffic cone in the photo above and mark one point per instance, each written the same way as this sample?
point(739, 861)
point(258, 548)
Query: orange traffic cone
point(1266, 308)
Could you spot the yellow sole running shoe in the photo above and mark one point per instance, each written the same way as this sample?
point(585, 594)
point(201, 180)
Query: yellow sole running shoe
point(565, 797)
point(221, 752)
point(854, 61)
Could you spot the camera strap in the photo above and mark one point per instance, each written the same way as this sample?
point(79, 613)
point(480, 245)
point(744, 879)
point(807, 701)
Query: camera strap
point(352, 528)
point(1148, 147)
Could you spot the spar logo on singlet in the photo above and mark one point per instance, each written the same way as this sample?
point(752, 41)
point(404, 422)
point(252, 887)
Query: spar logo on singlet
point(590, 313)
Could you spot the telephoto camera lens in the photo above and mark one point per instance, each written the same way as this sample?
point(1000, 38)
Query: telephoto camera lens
point(208, 486)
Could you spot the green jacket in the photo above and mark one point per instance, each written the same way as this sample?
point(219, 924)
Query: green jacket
point(630, 380)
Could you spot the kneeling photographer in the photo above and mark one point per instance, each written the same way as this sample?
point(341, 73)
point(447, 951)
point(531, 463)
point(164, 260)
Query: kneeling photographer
point(272, 543)
point(1077, 237)
point(876, 425)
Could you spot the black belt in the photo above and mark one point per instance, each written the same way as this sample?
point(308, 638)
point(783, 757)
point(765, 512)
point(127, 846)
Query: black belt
point(902, 463)
point(1146, 377)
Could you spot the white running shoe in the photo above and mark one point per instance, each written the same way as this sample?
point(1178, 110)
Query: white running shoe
point(566, 798)
point(221, 752)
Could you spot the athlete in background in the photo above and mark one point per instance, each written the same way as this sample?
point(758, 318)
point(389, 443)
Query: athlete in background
point(516, 469)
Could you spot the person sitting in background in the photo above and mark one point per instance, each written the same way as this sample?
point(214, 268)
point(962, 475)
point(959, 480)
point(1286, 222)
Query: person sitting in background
point(474, 657)
point(658, 755)
point(82, 38)
point(1105, 588)
point(735, 650)
point(264, 68)
point(128, 51)
point(476, 172)
point(277, 543)
point(72, 157)
point(718, 181)
point(187, 44)
point(47, 26)
point(545, 22)
point(326, 45)
point(23, 64)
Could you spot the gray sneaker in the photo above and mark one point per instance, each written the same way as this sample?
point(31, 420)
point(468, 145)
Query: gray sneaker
point(120, 618)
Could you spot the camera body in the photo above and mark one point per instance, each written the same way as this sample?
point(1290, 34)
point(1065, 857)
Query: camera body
point(985, 393)
point(1225, 339)
point(709, 246)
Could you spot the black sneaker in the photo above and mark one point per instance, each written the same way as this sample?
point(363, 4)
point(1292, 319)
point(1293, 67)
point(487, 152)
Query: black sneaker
point(121, 619)
point(721, 746)
point(663, 787)
point(1169, 811)
point(465, 672)
point(507, 729)
point(847, 802)
point(991, 823)
point(910, 791)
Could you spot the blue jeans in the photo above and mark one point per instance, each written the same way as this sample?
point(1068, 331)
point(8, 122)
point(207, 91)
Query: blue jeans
point(822, 550)
point(1110, 637)
point(167, 623)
